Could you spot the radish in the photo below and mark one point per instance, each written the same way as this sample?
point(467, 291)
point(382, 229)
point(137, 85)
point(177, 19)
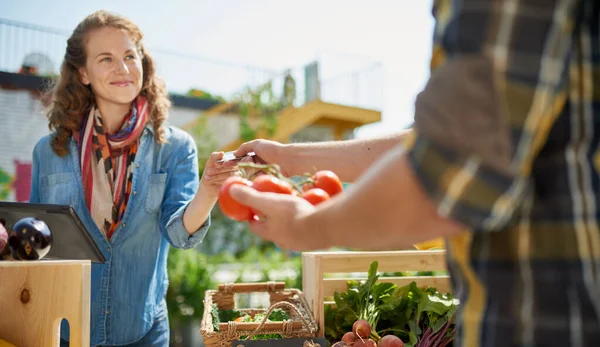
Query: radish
point(349, 337)
point(390, 341)
point(364, 343)
point(362, 329)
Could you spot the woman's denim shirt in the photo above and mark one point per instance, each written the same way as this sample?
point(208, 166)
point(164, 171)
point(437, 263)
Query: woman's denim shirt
point(128, 291)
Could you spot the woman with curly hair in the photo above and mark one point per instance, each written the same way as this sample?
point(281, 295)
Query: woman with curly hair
point(132, 180)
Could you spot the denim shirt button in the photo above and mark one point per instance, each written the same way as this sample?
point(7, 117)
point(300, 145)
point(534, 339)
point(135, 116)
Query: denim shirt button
point(123, 225)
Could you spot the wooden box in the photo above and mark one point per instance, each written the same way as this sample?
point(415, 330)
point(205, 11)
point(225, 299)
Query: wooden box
point(323, 273)
point(36, 295)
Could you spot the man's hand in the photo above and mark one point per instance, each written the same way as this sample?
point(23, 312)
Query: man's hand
point(268, 151)
point(281, 219)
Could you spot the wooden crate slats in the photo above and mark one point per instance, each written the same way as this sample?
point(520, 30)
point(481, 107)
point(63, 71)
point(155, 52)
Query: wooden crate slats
point(318, 284)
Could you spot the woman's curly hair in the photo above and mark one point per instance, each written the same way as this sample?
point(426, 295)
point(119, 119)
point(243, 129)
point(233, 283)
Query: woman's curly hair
point(70, 99)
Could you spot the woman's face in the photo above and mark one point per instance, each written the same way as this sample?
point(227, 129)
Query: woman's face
point(113, 66)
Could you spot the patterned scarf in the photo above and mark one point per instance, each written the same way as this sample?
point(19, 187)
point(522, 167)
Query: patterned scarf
point(107, 164)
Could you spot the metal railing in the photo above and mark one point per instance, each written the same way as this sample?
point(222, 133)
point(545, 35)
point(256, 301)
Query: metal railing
point(23, 42)
point(343, 80)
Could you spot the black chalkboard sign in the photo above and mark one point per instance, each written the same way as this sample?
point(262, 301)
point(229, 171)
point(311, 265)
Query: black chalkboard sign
point(295, 342)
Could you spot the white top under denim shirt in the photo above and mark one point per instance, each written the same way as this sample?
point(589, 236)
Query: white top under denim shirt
point(128, 292)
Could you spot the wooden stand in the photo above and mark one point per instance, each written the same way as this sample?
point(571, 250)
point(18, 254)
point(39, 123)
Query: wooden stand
point(36, 295)
point(319, 290)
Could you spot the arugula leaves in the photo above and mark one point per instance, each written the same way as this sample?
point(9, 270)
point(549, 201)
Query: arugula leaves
point(420, 317)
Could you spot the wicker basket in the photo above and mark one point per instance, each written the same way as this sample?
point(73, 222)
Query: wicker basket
point(300, 325)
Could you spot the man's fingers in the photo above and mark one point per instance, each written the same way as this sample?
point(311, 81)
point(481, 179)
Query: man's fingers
point(247, 196)
point(261, 201)
point(245, 148)
point(260, 228)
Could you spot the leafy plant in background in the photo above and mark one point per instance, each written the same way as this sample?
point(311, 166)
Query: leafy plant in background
point(259, 106)
point(5, 185)
point(190, 275)
point(229, 237)
point(206, 141)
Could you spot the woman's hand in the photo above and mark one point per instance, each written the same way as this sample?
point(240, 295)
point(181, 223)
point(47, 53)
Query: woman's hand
point(216, 173)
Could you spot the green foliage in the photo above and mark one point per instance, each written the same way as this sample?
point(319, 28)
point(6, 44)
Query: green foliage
point(190, 275)
point(5, 185)
point(206, 141)
point(262, 104)
point(417, 316)
point(203, 94)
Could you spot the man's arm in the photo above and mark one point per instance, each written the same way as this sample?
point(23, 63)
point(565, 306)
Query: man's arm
point(348, 159)
point(385, 209)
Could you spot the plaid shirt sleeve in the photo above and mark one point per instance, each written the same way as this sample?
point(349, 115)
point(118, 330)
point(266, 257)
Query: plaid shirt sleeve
point(498, 82)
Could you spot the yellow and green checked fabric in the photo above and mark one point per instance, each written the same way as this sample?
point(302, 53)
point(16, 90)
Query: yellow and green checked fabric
point(507, 141)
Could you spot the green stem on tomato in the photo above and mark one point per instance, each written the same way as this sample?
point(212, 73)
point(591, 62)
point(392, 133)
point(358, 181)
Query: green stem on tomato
point(275, 170)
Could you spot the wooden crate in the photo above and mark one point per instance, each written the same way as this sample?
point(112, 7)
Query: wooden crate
point(318, 289)
point(36, 295)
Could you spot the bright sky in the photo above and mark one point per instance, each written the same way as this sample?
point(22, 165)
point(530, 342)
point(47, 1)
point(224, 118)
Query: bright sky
point(275, 34)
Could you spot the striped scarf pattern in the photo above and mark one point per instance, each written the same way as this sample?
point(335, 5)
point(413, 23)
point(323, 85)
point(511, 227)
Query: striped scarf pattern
point(107, 164)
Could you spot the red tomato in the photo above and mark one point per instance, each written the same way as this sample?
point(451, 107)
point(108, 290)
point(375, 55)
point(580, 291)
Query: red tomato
point(229, 206)
point(315, 196)
point(328, 181)
point(268, 183)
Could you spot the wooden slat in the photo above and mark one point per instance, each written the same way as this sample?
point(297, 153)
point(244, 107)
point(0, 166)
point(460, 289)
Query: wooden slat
point(252, 287)
point(312, 277)
point(242, 326)
point(441, 283)
point(345, 262)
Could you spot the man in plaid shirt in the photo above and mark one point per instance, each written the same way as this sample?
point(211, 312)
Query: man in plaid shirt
point(506, 145)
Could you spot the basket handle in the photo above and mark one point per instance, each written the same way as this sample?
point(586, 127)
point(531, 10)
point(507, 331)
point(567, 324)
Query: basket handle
point(286, 324)
point(230, 288)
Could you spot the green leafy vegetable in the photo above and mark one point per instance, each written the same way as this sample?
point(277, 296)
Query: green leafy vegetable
point(420, 317)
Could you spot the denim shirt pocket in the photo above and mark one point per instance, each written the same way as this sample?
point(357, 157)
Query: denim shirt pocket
point(156, 191)
point(59, 188)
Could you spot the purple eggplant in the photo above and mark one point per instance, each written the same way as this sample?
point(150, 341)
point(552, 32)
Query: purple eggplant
point(30, 239)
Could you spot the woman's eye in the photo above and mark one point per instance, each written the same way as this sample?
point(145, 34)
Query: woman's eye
point(107, 60)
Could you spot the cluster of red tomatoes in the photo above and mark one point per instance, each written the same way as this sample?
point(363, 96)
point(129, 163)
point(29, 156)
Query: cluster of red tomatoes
point(315, 189)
